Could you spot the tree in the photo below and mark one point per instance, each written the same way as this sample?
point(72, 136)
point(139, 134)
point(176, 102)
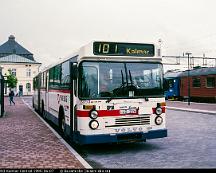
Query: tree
point(11, 80)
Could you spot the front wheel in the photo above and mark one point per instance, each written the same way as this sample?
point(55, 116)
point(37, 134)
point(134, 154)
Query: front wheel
point(62, 126)
point(33, 102)
point(61, 120)
point(43, 111)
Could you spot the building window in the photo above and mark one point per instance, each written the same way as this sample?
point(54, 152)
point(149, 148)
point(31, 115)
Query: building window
point(196, 82)
point(210, 82)
point(28, 72)
point(28, 87)
point(13, 71)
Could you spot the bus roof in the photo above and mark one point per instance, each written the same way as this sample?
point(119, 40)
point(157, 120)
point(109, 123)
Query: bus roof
point(98, 50)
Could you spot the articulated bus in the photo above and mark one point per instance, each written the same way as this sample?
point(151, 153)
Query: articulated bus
point(106, 92)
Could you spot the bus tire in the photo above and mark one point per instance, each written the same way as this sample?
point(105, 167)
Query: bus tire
point(33, 102)
point(61, 120)
point(43, 111)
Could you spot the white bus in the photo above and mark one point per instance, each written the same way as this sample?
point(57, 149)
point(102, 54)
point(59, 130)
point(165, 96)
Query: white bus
point(106, 92)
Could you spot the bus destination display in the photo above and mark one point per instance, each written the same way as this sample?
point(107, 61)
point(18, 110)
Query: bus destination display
point(123, 49)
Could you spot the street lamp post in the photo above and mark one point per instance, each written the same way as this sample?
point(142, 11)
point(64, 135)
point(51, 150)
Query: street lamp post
point(188, 54)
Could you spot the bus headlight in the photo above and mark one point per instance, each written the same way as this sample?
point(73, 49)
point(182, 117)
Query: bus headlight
point(158, 120)
point(93, 124)
point(93, 114)
point(158, 111)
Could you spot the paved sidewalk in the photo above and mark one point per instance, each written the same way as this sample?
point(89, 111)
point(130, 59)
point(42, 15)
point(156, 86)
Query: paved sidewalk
point(193, 107)
point(26, 142)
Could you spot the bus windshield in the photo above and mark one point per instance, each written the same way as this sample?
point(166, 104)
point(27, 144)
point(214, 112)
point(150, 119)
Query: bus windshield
point(120, 79)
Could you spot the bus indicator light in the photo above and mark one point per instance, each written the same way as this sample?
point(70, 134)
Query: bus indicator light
point(163, 104)
point(89, 107)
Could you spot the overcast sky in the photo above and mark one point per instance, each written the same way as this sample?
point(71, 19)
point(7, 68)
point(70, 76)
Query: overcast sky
point(51, 29)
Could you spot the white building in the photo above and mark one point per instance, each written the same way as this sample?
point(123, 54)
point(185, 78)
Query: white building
point(22, 64)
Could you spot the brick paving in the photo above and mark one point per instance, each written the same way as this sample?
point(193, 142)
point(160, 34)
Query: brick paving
point(26, 142)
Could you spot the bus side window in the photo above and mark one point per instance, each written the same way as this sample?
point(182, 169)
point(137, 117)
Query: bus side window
point(57, 76)
point(65, 75)
point(51, 76)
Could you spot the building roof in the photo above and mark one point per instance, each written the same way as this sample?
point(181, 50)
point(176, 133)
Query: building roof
point(200, 72)
point(172, 74)
point(194, 72)
point(12, 47)
point(16, 59)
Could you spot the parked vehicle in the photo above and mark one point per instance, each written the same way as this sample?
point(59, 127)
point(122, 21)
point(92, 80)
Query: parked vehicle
point(199, 84)
point(173, 85)
point(105, 92)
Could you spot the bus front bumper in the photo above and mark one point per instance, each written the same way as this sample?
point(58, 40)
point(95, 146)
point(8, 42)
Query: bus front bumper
point(121, 137)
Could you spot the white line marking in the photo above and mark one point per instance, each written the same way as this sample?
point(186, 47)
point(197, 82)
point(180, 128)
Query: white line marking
point(190, 102)
point(193, 110)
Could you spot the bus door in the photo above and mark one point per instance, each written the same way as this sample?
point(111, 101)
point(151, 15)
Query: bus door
point(73, 81)
point(39, 86)
point(46, 104)
point(46, 91)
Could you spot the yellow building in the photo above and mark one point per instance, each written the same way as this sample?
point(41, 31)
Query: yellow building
point(21, 63)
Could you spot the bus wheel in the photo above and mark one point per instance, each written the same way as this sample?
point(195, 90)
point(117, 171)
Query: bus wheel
point(33, 102)
point(61, 121)
point(43, 111)
point(63, 124)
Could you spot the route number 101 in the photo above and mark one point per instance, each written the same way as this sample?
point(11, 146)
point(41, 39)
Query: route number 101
point(107, 48)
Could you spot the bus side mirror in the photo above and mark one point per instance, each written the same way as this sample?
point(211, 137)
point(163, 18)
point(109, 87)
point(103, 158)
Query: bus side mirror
point(74, 71)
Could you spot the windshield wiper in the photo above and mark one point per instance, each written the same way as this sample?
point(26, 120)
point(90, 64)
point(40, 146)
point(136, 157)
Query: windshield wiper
point(109, 99)
point(131, 81)
point(122, 77)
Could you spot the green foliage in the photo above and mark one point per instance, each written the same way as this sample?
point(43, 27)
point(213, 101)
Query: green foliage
point(11, 80)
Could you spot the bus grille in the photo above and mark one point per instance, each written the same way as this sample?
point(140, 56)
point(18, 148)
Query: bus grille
point(142, 120)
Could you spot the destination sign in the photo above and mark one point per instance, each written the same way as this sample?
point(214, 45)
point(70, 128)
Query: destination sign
point(123, 49)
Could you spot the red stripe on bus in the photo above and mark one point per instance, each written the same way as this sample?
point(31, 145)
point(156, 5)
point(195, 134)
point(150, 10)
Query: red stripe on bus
point(105, 113)
point(60, 91)
point(154, 110)
point(82, 113)
point(101, 113)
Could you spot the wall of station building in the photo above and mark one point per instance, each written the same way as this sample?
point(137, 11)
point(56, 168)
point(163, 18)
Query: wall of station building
point(25, 74)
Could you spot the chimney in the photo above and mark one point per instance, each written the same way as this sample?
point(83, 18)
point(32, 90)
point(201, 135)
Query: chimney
point(11, 37)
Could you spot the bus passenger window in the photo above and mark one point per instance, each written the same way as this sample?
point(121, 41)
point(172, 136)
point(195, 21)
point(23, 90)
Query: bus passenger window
point(65, 75)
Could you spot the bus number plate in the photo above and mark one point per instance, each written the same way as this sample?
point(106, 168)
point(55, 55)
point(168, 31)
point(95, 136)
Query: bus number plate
point(128, 111)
